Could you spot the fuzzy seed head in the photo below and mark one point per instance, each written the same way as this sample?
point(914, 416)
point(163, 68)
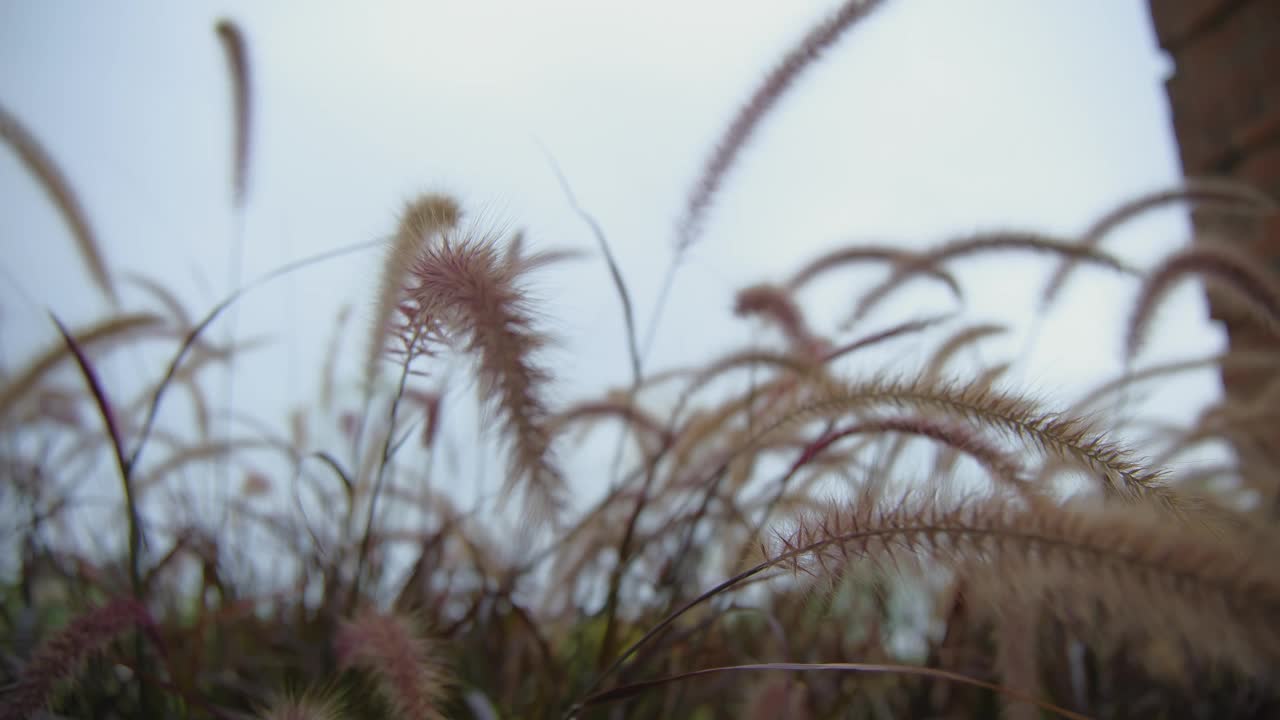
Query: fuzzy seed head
point(409, 674)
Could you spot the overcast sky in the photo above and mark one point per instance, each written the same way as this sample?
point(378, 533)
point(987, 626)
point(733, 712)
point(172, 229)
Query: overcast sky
point(932, 119)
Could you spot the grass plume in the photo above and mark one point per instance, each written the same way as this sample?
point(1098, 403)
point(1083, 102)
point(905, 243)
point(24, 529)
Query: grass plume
point(820, 38)
point(409, 673)
point(41, 165)
point(1210, 194)
point(1110, 572)
point(61, 657)
point(421, 222)
point(236, 50)
point(464, 294)
point(1244, 287)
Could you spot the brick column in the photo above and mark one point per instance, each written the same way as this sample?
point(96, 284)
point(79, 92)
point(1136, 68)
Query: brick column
point(1225, 101)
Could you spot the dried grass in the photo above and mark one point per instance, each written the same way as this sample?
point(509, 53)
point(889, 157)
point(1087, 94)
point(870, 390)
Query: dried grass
point(785, 466)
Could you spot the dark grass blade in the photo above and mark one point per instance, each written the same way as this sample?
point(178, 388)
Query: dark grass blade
point(28, 378)
point(627, 691)
point(136, 538)
point(628, 314)
point(194, 333)
point(117, 445)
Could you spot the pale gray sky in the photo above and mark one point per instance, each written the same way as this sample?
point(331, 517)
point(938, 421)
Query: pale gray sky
point(932, 119)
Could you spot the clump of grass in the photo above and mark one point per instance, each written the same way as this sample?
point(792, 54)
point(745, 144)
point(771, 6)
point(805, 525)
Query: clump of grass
point(60, 658)
point(767, 549)
point(303, 707)
point(410, 677)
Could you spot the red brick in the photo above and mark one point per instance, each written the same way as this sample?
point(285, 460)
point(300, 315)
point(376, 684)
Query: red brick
point(1225, 84)
point(1261, 168)
point(1224, 100)
point(1177, 20)
point(1243, 381)
point(1264, 240)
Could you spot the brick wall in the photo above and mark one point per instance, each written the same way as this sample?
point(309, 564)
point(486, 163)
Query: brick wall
point(1224, 98)
point(1225, 93)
